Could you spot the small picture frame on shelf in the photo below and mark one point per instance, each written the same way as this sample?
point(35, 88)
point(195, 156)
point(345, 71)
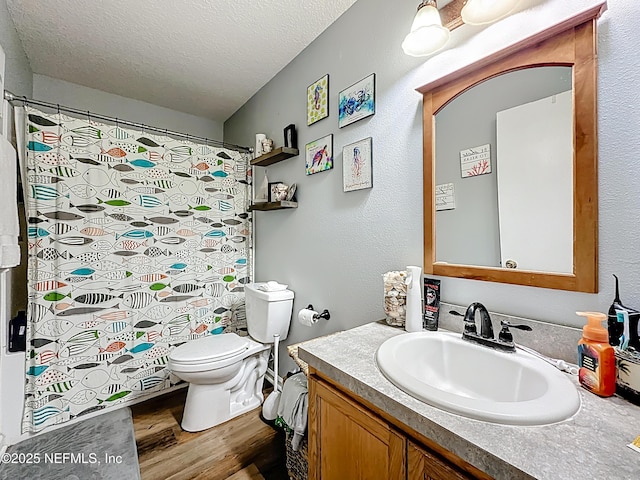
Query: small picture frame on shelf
point(277, 191)
point(290, 136)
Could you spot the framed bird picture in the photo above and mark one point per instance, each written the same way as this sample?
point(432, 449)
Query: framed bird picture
point(319, 155)
point(318, 100)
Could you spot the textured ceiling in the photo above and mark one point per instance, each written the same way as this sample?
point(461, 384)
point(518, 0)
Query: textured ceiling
point(204, 57)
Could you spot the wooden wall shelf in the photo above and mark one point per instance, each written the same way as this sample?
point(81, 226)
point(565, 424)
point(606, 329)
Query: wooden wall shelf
point(275, 156)
point(265, 206)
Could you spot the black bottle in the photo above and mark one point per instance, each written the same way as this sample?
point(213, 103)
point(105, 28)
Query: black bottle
point(18, 332)
point(616, 327)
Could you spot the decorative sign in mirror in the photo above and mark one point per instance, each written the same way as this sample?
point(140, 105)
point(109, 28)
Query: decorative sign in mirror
point(510, 164)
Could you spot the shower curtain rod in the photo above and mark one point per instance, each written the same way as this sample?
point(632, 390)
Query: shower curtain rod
point(10, 97)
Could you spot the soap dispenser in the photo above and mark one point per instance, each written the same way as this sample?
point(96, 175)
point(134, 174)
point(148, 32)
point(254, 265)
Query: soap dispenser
point(596, 357)
point(413, 322)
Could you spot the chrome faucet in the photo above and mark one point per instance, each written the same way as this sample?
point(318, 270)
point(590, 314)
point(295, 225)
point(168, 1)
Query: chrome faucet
point(486, 338)
point(486, 326)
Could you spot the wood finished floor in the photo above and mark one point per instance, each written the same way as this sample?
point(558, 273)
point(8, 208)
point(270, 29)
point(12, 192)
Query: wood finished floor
point(243, 448)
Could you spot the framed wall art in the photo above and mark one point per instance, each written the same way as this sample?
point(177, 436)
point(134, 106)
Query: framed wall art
point(357, 101)
point(357, 171)
point(318, 100)
point(475, 161)
point(319, 155)
point(277, 191)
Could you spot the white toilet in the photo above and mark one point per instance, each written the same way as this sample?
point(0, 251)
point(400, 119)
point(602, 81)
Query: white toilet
point(225, 372)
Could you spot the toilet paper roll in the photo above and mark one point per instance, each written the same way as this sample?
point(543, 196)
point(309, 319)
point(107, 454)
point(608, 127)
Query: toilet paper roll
point(307, 317)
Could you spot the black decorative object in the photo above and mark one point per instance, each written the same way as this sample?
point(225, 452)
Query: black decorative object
point(290, 136)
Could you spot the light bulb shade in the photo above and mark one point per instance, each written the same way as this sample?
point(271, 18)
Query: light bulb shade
point(427, 34)
point(426, 16)
point(425, 41)
point(481, 12)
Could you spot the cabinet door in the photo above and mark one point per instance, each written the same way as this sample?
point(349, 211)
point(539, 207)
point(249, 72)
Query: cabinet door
point(422, 465)
point(347, 442)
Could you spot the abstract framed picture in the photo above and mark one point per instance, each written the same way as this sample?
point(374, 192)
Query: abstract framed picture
point(357, 101)
point(318, 100)
point(319, 155)
point(357, 165)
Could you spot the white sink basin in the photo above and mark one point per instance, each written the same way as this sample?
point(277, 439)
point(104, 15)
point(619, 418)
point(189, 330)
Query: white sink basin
point(443, 370)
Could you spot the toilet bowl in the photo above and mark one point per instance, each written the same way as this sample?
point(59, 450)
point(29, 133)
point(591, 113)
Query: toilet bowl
point(226, 371)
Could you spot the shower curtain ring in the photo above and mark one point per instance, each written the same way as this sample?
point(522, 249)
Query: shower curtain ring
point(58, 105)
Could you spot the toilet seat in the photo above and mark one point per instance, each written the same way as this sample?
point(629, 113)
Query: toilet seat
point(213, 349)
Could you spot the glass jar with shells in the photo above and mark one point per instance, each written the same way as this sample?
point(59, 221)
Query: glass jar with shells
point(395, 297)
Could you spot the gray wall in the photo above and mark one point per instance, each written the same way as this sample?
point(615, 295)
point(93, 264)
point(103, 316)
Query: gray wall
point(18, 71)
point(334, 248)
point(77, 96)
point(470, 234)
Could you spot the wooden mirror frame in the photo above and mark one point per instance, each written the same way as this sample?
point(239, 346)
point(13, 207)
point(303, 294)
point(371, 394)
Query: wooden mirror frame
point(571, 43)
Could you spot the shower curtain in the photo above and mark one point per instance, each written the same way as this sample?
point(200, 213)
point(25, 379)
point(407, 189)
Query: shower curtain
point(137, 244)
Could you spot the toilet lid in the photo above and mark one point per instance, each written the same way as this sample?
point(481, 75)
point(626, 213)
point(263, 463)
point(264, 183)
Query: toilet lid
point(209, 349)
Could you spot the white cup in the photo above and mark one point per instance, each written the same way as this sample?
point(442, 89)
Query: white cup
point(260, 137)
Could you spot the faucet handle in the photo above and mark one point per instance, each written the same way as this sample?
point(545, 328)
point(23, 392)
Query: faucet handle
point(507, 324)
point(505, 335)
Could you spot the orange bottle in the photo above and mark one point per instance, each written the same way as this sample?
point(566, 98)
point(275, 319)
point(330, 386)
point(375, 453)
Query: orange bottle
point(596, 357)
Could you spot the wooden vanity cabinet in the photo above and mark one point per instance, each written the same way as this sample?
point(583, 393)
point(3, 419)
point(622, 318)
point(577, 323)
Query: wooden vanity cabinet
point(348, 441)
point(423, 465)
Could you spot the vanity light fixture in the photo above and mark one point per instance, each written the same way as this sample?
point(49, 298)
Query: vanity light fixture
point(427, 34)
point(481, 12)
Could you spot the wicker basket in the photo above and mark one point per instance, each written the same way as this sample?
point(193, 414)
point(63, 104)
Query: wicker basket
point(297, 462)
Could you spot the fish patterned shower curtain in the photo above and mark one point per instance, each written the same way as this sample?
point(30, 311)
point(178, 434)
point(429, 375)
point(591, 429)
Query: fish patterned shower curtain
point(137, 244)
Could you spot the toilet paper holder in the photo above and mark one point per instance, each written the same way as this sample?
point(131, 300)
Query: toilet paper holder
point(325, 314)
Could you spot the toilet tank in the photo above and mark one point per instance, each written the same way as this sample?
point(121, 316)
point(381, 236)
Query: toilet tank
point(268, 313)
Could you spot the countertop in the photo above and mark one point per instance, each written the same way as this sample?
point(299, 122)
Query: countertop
point(590, 445)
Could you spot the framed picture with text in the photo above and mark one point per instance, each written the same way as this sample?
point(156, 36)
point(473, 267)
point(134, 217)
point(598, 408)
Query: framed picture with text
point(319, 155)
point(357, 171)
point(357, 101)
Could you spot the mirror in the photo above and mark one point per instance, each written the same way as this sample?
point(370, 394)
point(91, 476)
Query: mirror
point(508, 226)
point(504, 171)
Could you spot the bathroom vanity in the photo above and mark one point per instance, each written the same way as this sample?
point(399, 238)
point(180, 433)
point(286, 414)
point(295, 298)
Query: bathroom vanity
point(362, 426)
point(353, 441)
